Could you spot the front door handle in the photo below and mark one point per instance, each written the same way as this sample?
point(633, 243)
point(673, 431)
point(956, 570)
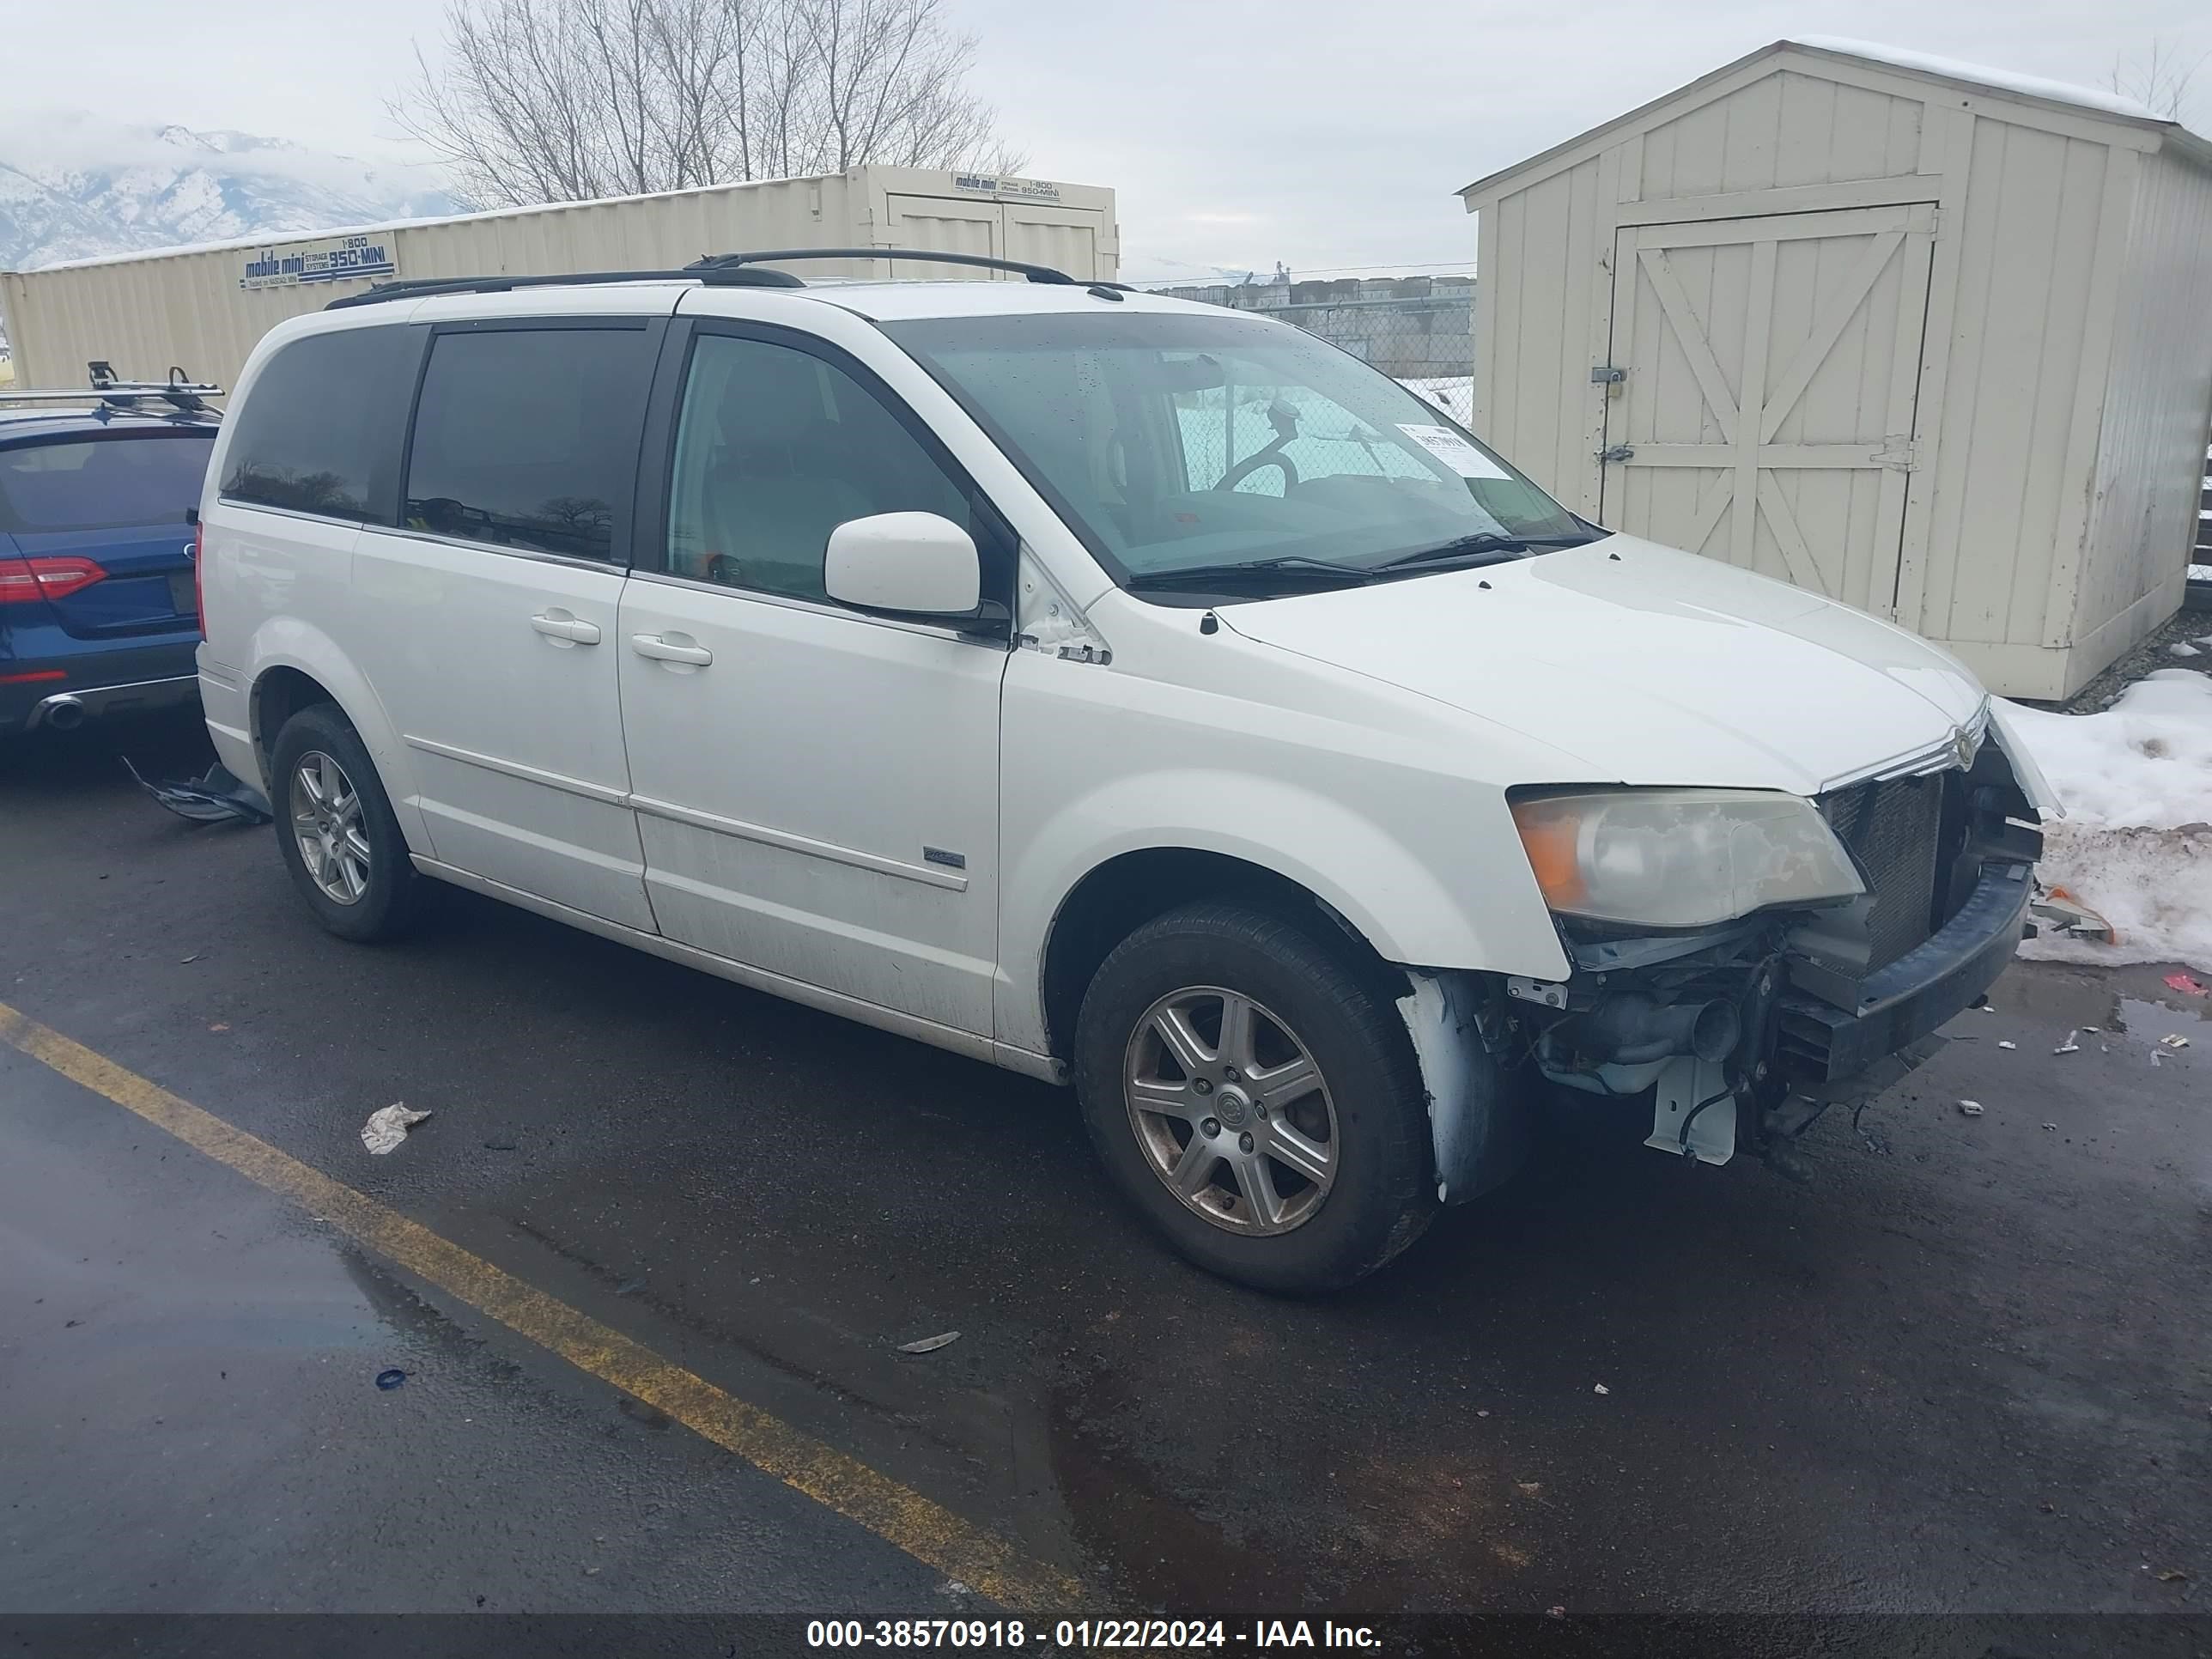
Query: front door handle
point(558, 624)
point(661, 649)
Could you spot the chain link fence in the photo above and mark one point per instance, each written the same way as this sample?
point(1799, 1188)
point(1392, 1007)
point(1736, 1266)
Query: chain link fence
point(1420, 330)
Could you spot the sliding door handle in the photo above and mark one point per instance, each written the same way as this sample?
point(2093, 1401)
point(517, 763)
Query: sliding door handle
point(662, 649)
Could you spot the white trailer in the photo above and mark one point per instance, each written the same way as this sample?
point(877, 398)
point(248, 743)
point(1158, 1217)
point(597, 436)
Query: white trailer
point(1933, 339)
point(203, 308)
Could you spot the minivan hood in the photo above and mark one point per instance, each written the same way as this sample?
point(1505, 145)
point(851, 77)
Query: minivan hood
point(1648, 664)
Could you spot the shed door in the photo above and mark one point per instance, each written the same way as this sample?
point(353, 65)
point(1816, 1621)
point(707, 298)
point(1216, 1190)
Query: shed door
point(1773, 369)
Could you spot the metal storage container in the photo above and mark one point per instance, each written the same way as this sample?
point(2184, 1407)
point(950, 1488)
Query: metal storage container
point(1933, 339)
point(203, 308)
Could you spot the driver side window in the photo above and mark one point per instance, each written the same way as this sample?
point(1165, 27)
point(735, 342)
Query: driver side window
point(775, 448)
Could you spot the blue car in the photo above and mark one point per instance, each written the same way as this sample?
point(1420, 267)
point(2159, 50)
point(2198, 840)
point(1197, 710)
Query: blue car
point(98, 613)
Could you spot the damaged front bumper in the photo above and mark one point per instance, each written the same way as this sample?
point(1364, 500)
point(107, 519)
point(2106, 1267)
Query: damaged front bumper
point(1745, 1035)
point(1745, 1032)
point(1897, 1006)
point(1741, 1036)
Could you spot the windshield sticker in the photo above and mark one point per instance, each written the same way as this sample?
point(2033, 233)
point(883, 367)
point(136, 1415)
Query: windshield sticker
point(1454, 451)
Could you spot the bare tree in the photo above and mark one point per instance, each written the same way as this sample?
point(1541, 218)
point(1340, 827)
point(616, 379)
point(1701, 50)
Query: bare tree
point(542, 100)
point(2159, 79)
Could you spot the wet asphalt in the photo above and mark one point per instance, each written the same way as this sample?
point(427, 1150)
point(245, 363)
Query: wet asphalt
point(1967, 1368)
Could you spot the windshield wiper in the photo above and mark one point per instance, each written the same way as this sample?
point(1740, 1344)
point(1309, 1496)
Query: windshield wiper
point(1487, 548)
point(1205, 576)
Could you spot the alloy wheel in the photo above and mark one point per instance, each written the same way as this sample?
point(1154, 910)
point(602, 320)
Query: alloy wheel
point(326, 825)
point(1232, 1110)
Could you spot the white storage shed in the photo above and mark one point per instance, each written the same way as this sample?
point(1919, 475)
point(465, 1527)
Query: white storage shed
point(203, 308)
point(1933, 339)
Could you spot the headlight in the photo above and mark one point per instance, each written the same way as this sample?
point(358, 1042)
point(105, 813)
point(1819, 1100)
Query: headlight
point(1681, 857)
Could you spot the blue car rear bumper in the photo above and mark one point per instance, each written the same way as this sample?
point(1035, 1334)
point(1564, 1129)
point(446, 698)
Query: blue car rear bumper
point(102, 677)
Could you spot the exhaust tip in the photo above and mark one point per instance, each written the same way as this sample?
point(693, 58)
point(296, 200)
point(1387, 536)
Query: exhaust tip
point(65, 714)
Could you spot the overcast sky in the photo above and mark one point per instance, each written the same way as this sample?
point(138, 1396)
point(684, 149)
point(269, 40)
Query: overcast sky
point(1236, 132)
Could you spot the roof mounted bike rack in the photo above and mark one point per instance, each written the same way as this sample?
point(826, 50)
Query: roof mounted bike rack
point(103, 388)
point(713, 269)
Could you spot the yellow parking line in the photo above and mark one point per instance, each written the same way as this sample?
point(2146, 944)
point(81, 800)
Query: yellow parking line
point(930, 1532)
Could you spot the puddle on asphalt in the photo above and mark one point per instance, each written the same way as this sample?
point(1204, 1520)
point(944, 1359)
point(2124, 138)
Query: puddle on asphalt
point(2132, 1004)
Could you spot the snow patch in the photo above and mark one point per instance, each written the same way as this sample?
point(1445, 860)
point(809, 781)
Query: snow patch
point(1452, 393)
point(1953, 69)
point(2135, 844)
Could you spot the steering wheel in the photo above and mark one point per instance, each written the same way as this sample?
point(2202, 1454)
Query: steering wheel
point(1284, 417)
point(1251, 464)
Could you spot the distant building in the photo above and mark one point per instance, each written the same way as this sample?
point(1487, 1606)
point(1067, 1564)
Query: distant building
point(1410, 327)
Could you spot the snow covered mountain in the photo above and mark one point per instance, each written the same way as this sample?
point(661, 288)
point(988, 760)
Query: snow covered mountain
point(76, 186)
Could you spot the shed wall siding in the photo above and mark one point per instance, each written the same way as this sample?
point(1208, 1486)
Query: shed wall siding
point(1533, 327)
point(1783, 131)
point(2024, 349)
point(2157, 407)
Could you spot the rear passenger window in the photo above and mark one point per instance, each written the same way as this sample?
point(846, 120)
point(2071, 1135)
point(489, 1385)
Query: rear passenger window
point(775, 449)
point(102, 484)
point(313, 423)
point(527, 437)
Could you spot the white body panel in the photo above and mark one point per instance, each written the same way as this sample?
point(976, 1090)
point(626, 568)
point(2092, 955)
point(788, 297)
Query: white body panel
point(514, 731)
point(791, 792)
point(1968, 311)
point(880, 817)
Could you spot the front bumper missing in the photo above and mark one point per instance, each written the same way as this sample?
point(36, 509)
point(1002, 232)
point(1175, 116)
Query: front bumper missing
point(1814, 1033)
point(1822, 1044)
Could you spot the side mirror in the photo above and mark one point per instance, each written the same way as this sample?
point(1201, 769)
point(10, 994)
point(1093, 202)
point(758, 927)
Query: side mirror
point(915, 564)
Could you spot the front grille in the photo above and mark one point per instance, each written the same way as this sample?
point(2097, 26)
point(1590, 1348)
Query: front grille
point(1892, 828)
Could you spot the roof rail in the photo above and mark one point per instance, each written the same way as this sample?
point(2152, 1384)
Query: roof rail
point(927, 255)
point(103, 388)
point(426, 287)
point(714, 269)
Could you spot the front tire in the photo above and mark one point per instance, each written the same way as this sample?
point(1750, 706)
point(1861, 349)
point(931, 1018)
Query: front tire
point(336, 831)
point(1256, 1098)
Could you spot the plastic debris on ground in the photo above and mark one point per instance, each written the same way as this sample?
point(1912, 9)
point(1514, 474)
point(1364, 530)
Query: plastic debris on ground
point(389, 1380)
point(930, 1344)
point(1599, 1389)
point(1971, 1107)
point(387, 1127)
point(2135, 844)
point(2188, 985)
point(2175, 1040)
point(2060, 914)
point(2069, 1047)
point(215, 796)
point(2008, 1045)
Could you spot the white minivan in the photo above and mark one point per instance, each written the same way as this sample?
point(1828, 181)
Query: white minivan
point(1126, 692)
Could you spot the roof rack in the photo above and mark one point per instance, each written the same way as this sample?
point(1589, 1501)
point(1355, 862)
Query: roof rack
point(428, 287)
point(104, 389)
point(714, 269)
point(927, 256)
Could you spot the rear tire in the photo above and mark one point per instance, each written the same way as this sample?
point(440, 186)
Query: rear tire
point(1189, 1052)
point(336, 829)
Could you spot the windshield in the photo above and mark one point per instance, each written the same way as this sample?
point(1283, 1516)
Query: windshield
point(1181, 446)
